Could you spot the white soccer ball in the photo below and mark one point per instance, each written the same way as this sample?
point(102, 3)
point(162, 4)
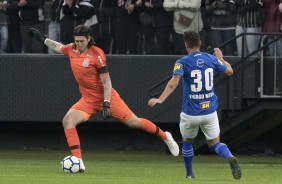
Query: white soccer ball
point(71, 164)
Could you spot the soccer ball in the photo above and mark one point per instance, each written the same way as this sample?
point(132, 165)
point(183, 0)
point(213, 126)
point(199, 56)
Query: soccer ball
point(71, 164)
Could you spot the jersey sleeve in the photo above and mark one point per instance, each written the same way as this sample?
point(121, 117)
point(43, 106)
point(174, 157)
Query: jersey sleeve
point(219, 66)
point(101, 62)
point(178, 68)
point(67, 48)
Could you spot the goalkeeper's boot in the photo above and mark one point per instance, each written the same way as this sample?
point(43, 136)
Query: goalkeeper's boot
point(82, 166)
point(172, 145)
point(191, 175)
point(236, 171)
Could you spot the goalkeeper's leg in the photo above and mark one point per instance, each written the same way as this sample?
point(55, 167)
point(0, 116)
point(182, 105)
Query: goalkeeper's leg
point(150, 127)
point(122, 112)
point(70, 121)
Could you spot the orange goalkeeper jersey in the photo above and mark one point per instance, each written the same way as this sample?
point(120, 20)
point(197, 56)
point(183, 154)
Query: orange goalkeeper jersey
point(85, 68)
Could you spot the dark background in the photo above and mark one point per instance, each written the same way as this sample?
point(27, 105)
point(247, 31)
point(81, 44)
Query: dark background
point(37, 90)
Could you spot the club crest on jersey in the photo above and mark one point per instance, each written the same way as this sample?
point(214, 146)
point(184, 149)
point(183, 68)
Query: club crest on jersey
point(85, 62)
point(205, 105)
point(177, 66)
point(200, 63)
point(89, 55)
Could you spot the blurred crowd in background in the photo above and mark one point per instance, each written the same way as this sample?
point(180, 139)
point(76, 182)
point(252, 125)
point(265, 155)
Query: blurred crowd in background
point(152, 27)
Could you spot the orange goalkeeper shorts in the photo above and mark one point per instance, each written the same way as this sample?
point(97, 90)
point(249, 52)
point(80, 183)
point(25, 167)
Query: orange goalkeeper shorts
point(119, 109)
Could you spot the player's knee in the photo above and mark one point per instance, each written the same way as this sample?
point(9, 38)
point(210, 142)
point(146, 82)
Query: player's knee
point(65, 123)
point(188, 140)
point(72, 118)
point(68, 122)
point(212, 142)
point(133, 123)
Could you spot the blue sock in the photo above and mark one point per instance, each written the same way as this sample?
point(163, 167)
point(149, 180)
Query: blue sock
point(222, 150)
point(188, 154)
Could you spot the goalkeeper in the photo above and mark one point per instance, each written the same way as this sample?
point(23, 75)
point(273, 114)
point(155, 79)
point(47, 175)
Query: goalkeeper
point(89, 66)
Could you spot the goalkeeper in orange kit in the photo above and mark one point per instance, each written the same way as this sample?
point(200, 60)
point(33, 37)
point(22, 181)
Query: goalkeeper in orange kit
point(90, 70)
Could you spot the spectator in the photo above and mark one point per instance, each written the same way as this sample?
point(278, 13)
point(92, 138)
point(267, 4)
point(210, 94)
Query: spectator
point(187, 17)
point(273, 23)
point(127, 26)
point(163, 21)
point(79, 12)
point(223, 22)
point(249, 20)
point(147, 33)
point(103, 31)
point(84, 12)
point(96, 14)
point(206, 33)
point(280, 9)
point(54, 26)
point(14, 44)
point(67, 22)
point(3, 25)
point(31, 14)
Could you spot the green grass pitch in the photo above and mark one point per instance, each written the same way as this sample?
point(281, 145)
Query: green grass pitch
point(43, 167)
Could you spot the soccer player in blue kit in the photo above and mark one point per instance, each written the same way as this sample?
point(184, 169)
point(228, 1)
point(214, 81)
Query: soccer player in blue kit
point(199, 102)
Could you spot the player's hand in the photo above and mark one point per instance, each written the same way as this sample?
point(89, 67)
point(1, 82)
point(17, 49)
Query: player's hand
point(218, 53)
point(37, 34)
point(153, 101)
point(106, 113)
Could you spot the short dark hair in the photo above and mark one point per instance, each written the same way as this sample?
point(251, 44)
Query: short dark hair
point(192, 39)
point(82, 30)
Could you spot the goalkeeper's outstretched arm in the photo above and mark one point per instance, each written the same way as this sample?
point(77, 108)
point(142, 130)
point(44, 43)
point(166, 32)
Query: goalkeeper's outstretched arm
point(56, 46)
